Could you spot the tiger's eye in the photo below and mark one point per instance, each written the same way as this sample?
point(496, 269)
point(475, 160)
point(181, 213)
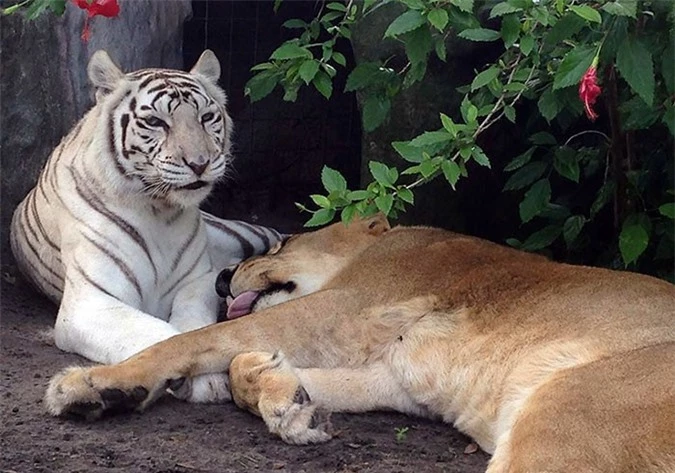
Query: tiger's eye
point(207, 117)
point(156, 122)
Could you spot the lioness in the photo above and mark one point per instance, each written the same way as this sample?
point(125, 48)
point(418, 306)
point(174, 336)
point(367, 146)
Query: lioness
point(549, 367)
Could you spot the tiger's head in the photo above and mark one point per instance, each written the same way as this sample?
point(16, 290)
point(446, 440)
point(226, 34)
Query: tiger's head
point(167, 131)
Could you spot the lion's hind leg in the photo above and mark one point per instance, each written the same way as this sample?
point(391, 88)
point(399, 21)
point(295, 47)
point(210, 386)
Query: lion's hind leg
point(616, 414)
point(295, 403)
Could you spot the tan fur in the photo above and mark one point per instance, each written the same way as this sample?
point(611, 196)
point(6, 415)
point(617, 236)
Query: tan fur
point(550, 367)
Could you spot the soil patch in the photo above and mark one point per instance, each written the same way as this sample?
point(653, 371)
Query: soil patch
point(176, 437)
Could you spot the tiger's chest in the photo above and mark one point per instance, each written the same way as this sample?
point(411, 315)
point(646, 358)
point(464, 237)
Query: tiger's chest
point(146, 256)
point(178, 247)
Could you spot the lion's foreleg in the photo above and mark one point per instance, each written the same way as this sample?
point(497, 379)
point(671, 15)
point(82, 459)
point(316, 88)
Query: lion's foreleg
point(301, 328)
point(295, 403)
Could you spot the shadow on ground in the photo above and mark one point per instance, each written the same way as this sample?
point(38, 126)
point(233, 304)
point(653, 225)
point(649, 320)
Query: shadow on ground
point(175, 437)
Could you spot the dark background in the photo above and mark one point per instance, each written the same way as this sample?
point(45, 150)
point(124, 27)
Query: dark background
point(279, 147)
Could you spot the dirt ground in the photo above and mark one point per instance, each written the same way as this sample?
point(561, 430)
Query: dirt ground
point(176, 437)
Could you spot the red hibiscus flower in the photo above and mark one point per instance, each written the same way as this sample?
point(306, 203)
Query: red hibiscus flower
point(107, 8)
point(589, 91)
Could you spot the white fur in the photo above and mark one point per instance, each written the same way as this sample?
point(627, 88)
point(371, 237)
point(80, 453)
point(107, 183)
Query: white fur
point(132, 264)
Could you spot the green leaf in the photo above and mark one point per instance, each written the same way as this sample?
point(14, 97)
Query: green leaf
point(451, 171)
point(480, 157)
point(566, 163)
point(438, 18)
point(35, 9)
point(572, 228)
point(382, 173)
point(527, 44)
point(514, 242)
point(261, 85)
point(384, 203)
point(308, 70)
point(263, 66)
point(294, 23)
point(485, 77)
point(464, 5)
point(633, 241)
point(573, 66)
point(526, 176)
point(323, 84)
point(668, 68)
point(339, 58)
point(549, 105)
point(358, 195)
point(347, 214)
point(439, 47)
point(605, 194)
point(58, 7)
point(337, 6)
point(520, 160)
point(362, 76)
point(375, 111)
point(621, 8)
point(431, 138)
point(405, 195)
point(414, 4)
point(320, 217)
point(480, 34)
point(510, 30)
point(637, 115)
point(449, 125)
point(510, 113)
point(536, 199)
point(587, 13)
point(668, 210)
point(418, 45)
point(321, 200)
point(290, 51)
point(568, 26)
point(332, 180)
point(408, 21)
point(635, 64)
point(408, 152)
point(502, 9)
point(542, 238)
point(543, 138)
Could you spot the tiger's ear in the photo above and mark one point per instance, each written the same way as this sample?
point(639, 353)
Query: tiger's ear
point(103, 73)
point(207, 66)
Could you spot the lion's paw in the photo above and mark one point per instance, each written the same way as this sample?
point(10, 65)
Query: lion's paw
point(301, 424)
point(75, 392)
point(267, 385)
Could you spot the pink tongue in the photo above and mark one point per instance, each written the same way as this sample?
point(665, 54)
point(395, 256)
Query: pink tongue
point(241, 305)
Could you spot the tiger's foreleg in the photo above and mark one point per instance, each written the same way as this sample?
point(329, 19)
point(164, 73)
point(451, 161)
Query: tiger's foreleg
point(195, 306)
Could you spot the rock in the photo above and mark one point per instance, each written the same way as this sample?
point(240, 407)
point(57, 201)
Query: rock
point(43, 96)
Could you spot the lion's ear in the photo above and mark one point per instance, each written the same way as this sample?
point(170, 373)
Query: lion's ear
point(376, 225)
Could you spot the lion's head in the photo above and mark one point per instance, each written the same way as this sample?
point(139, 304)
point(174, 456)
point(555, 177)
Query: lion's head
point(299, 265)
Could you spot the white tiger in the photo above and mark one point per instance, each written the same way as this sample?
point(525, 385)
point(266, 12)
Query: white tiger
point(112, 229)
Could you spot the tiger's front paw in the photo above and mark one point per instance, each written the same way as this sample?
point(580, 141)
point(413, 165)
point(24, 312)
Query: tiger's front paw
point(267, 385)
point(204, 389)
point(89, 392)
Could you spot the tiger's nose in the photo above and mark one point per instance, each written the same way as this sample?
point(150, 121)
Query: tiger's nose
point(224, 279)
point(198, 166)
